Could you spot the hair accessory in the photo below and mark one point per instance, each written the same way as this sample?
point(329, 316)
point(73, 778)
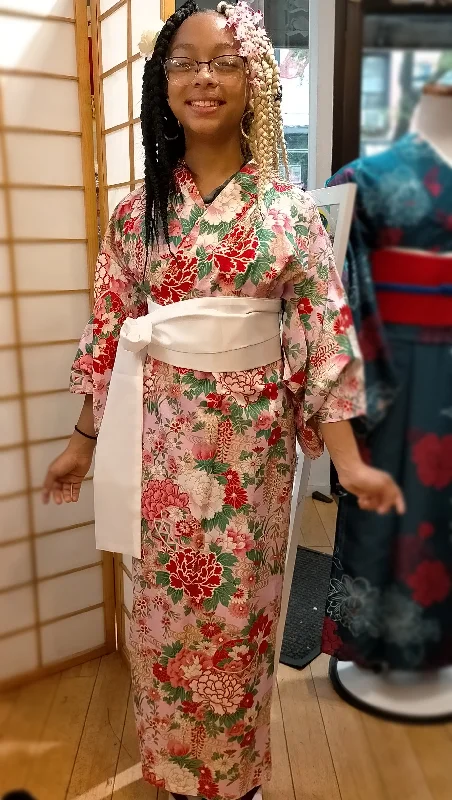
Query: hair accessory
point(242, 19)
point(86, 435)
point(148, 41)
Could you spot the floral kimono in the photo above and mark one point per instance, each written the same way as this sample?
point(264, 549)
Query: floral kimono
point(218, 464)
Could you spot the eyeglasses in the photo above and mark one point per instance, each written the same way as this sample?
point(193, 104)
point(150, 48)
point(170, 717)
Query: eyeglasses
point(223, 68)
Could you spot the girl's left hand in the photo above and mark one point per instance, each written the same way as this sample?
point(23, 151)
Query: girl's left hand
point(375, 490)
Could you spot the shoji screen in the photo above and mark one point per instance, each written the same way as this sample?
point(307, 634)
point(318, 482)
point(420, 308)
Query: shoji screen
point(56, 595)
point(117, 29)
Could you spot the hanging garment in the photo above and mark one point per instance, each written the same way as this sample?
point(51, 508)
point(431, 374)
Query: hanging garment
point(390, 599)
point(218, 456)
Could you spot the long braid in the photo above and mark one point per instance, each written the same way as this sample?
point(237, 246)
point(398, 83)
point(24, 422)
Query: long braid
point(158, 122)
point(266, 132)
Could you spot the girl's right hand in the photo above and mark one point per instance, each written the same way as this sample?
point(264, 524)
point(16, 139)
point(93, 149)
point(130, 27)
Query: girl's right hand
point(65, 475)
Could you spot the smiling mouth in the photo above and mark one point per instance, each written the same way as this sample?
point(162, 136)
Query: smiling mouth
point(205, 103)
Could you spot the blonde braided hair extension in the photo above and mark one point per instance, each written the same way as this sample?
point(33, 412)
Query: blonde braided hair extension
point(266, 132)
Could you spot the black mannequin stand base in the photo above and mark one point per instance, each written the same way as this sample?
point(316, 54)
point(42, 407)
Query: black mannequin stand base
point(423, 698)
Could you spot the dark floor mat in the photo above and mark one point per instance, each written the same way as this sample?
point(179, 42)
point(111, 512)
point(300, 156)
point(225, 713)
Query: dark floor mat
point(304, 621)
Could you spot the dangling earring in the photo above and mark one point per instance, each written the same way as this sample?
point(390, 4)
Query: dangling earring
point(242, 124)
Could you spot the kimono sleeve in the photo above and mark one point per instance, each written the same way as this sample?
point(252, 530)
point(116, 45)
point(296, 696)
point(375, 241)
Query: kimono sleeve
point(323, 366)
point(380, 376)
point(116, 297)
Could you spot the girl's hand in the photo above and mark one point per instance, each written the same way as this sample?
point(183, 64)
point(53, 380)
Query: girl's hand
point(375, 490)
point(65, 475)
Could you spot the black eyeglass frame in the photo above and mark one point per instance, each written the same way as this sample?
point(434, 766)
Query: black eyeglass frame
point(200, 64)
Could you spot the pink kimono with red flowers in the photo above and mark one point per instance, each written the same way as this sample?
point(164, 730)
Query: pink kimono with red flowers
point(218, 464)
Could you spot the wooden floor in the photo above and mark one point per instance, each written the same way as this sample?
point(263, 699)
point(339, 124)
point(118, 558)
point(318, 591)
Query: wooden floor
point(72, 736)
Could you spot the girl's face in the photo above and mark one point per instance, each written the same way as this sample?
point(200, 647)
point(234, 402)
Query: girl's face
point(209, 102)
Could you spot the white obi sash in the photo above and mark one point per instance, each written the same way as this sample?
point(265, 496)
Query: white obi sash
point(209, 334)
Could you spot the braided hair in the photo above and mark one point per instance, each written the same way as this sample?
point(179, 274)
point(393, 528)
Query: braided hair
point(163, 137)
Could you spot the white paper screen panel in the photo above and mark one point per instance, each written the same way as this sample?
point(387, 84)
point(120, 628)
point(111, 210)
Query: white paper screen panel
point(48, 213)
point(117, 154)
point(13, 519)
point(50, 318)
point(114, 39)
point(65, 550)
point(105, 5)
point(37, 46)
point(18, 654)
point(70, 593)
point(13, 477)
point(9, 377)
point(115, 196)
point(5, 275)
point(2, 215)
point(52, 415)
point(137, 85)
point(56, 8)
point(44, 159)
point(41, 103)
point(138, 152)
point(22, 601)
point(53, 518)
point(51, 267)
point(116, 109)
point(47, 367)
point(6, 321)
point(77, 634)
point(15, 565)
point(145, 16)
point(10, 422)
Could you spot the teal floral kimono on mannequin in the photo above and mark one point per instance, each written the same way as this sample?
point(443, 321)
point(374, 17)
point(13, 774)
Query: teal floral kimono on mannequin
point(218, 463)
point(390, 599)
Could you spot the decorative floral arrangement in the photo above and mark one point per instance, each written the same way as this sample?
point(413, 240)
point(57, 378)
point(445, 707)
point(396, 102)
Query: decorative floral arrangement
point(148, 41)
point(242, 19)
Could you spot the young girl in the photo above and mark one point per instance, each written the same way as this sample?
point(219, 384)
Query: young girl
point(200, 262)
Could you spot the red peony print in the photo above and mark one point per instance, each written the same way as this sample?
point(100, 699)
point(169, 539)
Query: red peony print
point(188, 707)
point(261, 629)
point(235, 495)
point(177, 748)
point(161, 673)
point(214, 401)
point(433, 458)
point(236, 251)
point(104, 359)
point(270, 390)
point(197, 573)
point(180, 277)
point(344, 321)
point(274, 436)
point(299, 378)
point(248, 739)
point(187, 665)
point(208, 788)
point(304, 306)
point(430, 583)
point(425, 530)
point(331, 641)
point(160, 495)
point(248, 701)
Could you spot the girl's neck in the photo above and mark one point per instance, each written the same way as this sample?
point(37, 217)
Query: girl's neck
point(433, 121)
point(212, 163)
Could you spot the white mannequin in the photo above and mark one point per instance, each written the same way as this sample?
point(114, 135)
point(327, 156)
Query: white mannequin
point(423, 696)
point(432, 119)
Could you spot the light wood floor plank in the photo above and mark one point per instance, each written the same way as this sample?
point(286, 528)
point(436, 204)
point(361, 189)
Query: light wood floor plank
point(95, 766)
point(280, 786)
point(312, 529)
point(87, 670)
point(433, 749)
point(312, 768)
point(21, 735)
point(398, 766)
point(328, 515)
point(129, 783)
point(353, 759)
point(50, 774)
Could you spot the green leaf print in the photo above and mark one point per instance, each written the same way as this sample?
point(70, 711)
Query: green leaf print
point(164, 558)
point(188, 224)
point(239, 424)
point(171, 650)
point(246, 182)
point(162, 578)
point(175, 594)
point(245, 455)
point(88, 348)
point(308, 288)
point(265, 238)
point(323, 271)
point(227, 559)
point(221, 520)
point(219, 230)
point(199, 426)
point(192, 764)
point(204, 269)
point(248, 480)
point(253, 410)
point(198, 387)
point(301, 230)
point(211, 466)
